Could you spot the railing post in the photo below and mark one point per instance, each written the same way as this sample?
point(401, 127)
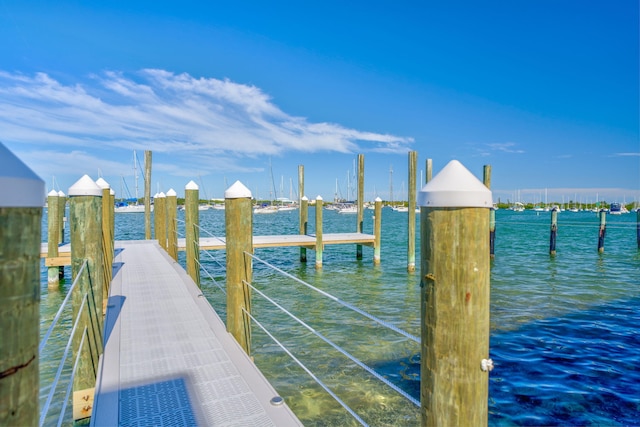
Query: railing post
point(304, 224)
point(319, 245)
point(53, 235)
point(455, 281)
point(192, 230)
point(239, 235)
point(85, 218)
point(172, 229)
point(21, 200)
point(411, 228)
point(107, 239)
point(360, 201)
point(160, 216)
point(602, 230)
point(377, 229)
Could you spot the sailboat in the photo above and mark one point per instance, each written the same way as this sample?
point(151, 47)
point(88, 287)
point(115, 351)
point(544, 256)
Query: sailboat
point(126, 207)
point(270, 208)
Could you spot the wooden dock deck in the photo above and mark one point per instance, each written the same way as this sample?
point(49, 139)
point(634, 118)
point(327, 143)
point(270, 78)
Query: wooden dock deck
point(218, 243)
point(168, 359)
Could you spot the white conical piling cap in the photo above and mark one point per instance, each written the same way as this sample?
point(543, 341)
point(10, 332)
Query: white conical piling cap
point(20, 187)
point(171, 193)
point(85, 186)
point(237, 191)
point(100, 182)
point(61, 194)
point(378, 199)
point(305, 198)
point(52, 193)
point(191, 186)
point(111, 192)
point(160, 195)
point(455, 187)
point(319, 197)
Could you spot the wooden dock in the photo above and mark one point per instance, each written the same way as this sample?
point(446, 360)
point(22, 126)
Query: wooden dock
point(218, 243)
point(168, 359)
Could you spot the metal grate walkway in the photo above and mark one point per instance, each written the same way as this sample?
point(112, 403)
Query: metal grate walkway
point(168, 359)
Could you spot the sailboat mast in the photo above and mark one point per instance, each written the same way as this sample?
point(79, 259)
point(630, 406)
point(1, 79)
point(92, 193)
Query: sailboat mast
point(135, 173)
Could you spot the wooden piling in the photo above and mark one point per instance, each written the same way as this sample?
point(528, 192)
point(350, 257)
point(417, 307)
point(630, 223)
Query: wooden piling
point(638, 226)
point(304, 224)
point(319, 244)
point(428, 170)
point(107, 238)
point(172, 229)
point(192, 230)
point(53, 235)
point(455, 285)
point(411, 226)
point(486, 179)
point(360, 202)
point(147, 195)
point(21, 201)
point(554, 232)
point(377, 229)
point(85, 218)
point(239, 235)
point(160, 217)
point(602, 230)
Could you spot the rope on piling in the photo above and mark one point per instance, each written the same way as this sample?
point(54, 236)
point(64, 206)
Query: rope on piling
point(307, 370)
point(339, 301)
point(335, 346)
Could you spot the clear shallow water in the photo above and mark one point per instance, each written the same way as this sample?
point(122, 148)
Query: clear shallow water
point(565, 331)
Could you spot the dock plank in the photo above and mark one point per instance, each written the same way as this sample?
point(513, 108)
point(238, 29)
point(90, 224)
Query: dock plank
point(168, 359)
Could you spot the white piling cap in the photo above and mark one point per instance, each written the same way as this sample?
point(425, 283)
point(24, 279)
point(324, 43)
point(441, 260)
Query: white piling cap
point(20, 187)
point(161, 195)
point(61, 194)
point(171, 193)
point(455, 187)
point(85, 186)
point(378, 199)
point(319, 197)
point(304, 198)
point(53, 193)
point(191, 186)
point(100, 182)
point(237, 191)
point(111, 192)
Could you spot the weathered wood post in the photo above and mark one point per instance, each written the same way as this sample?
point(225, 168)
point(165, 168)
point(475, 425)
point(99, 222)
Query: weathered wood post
point(107, 239)
point(62, 218)
point(428, 170)
point(455, 285)
point(304, 224)
point(239, 235)
point(492, 212)
point(53, 236)
point(192, 230)
point(21, 200)
point(360, 201)
point(160, 216)
point(147, 195)
point(554, 232)
point(172, 229)
point(377, 230)
point(85, 218)
point(602, 230)
point(411, 226)
point(319, 244)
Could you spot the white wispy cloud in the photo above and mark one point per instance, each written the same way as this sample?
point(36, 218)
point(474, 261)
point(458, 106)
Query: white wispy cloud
point(167, 112)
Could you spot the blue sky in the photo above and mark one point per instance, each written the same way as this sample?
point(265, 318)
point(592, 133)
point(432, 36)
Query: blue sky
point(545, 91)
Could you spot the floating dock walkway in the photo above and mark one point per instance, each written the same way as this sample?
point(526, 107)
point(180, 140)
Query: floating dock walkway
point(168, 359)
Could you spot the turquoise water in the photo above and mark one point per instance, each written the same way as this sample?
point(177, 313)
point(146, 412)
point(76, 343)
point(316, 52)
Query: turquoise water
point(565, 334)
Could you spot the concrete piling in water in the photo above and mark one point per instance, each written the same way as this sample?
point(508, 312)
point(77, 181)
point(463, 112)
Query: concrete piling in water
point(172, 229)
point(192, 230)
point(53, 236)
point(602, 230)
point(304, 224)
point(455, 281)
point(21, 200)
point(411, 223)
point(85, 218)
point(239, 240)
point(554, 232)
point(319, 244)
point(377, 228)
